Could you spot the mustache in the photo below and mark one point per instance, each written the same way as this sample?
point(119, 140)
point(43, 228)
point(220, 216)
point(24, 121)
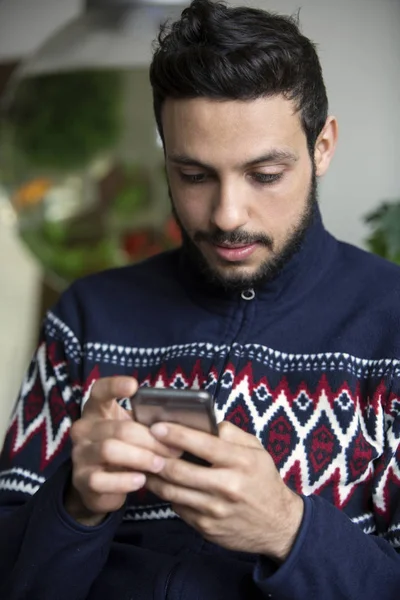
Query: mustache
point(233, 238)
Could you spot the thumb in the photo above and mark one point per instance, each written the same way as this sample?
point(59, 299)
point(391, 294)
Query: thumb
point(103, 396)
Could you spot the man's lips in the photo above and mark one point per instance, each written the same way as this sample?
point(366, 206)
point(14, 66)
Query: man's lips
point(235, 253)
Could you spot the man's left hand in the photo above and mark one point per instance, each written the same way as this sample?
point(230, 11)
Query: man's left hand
point(240, 502)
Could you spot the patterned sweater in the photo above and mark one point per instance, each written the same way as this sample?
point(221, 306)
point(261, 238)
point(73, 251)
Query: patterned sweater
point(310, 366)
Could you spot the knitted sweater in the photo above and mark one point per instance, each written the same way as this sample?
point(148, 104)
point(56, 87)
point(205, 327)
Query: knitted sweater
point(310, 366)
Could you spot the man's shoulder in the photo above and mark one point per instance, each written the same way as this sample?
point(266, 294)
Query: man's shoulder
point(121, 291)
point(157, 270)
point(368, 269)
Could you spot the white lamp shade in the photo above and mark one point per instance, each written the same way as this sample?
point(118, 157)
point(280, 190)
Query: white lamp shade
point(97, 40)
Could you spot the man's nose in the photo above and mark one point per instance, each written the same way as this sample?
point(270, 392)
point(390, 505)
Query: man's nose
point(230, 209)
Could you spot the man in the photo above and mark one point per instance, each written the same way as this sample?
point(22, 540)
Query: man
point(295, 335)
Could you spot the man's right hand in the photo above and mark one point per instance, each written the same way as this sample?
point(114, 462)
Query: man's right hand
point(111, 453)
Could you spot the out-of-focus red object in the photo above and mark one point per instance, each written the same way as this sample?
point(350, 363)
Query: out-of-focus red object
point(139, 244)
point(136, 243)
point(173, 232)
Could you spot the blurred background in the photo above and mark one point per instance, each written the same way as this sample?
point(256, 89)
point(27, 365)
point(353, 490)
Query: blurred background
point(81, 168)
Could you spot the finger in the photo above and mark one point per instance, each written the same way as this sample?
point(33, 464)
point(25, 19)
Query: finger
point(105, 391)
point(103, 482)
point(204, 445)
point(233, 434)
point(130, 432)
point(169, 492)
point(186, 474)
point(220, 483)
point(116, 455)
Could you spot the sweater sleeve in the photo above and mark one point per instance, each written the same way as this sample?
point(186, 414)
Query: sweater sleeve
point(334, 559)
point(44, 554)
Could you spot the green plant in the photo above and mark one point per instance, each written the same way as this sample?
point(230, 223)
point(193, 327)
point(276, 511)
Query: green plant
point(384, 223)
point(62, 121)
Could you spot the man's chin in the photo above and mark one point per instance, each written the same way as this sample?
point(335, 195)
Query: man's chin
point(228, 275)
point(233, 277)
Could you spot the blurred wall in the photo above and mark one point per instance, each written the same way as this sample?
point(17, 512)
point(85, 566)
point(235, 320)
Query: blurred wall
point(20, 279)
point(359, 47)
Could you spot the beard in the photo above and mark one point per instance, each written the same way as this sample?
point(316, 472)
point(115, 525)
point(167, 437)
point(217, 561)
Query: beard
point(269, 268)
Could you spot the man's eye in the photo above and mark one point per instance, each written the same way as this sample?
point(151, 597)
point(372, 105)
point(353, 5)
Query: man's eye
point(193, 178)
point(266, 178)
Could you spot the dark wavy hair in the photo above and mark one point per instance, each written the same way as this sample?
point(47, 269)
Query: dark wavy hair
point(238, 53)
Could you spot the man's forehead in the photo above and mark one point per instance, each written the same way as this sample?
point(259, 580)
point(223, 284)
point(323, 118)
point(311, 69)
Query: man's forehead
point(204, 111)
point(244, 131)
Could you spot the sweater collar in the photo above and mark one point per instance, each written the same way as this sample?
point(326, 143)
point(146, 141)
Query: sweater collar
point(296, 278)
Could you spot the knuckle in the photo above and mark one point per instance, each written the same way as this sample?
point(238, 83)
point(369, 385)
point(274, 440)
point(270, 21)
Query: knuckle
point(245, 461)
point(227, 431)
point(106, 450)
point(233, 489)
point(224, 428)
point(205, 524)
point(174, 469)
point(219, 510)
point(121, 430)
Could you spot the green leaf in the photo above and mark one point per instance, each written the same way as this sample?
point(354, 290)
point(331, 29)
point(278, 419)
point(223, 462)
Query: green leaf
point(384, 223)
point(61, 121)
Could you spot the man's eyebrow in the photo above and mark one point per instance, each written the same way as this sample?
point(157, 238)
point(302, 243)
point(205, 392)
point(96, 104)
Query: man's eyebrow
point(188, 161)
point(272, 156)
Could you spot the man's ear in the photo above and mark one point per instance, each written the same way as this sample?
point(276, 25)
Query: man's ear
point(325, 146)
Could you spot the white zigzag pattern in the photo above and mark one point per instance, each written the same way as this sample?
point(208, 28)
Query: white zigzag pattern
point(365, 522)
point(302, 431)
point(71, 343)
point(150, 514)
point(18, 486)
point(281, 361)
point(20, 480)
point(132, 356)
point(380, 488)
point(24, 474)
point(48, 382)
point(392, 535)
point(363, 518)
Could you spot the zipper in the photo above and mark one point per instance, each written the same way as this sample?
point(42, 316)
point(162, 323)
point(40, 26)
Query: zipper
point(248, 294)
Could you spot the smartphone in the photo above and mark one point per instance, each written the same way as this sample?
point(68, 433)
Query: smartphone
point(192, 408)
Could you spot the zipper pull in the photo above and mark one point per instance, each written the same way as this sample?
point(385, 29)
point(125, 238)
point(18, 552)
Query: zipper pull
point(248, 294)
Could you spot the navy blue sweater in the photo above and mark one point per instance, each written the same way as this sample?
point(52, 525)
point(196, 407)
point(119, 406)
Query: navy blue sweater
point(310, 365)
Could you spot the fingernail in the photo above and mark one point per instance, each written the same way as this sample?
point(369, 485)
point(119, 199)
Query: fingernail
point(138, 479)
point(159, 430)
point(158, 463)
